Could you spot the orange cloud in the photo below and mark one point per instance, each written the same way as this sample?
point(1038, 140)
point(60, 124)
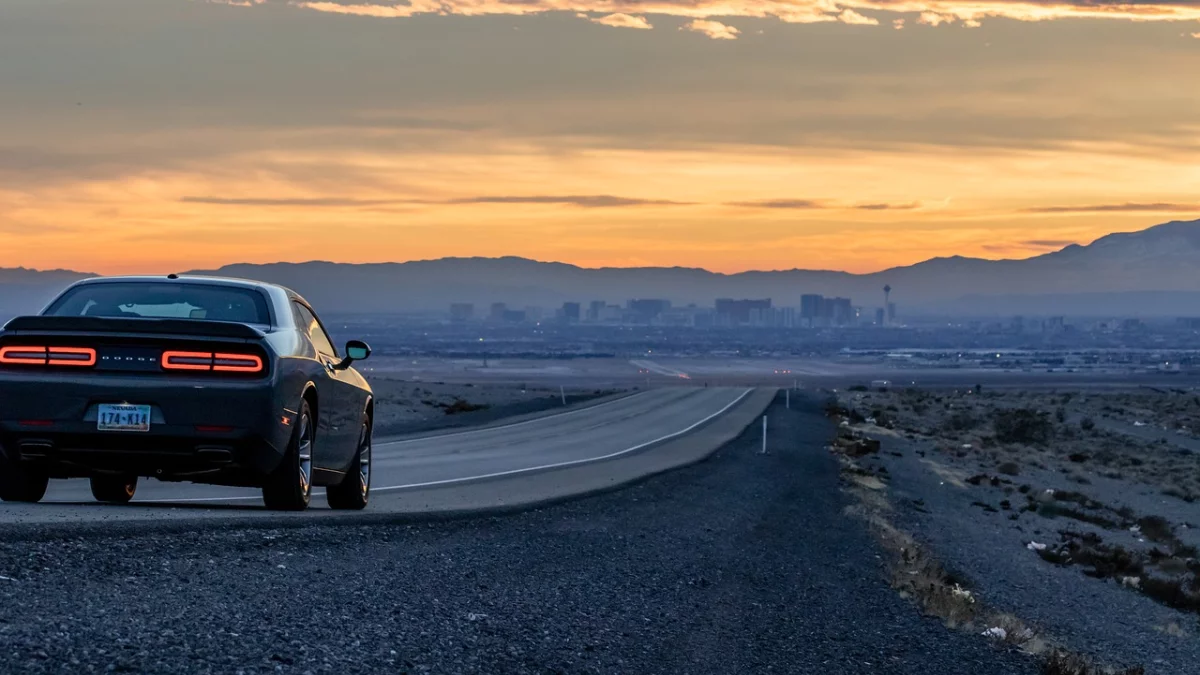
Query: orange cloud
point(713, 29)
point(619, 21)
point(853, 18)
point(932, 12)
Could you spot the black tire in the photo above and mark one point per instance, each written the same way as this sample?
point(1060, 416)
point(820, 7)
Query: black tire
point(22, 483)
point(289, 487)
point(114, 489)
point(353, 493)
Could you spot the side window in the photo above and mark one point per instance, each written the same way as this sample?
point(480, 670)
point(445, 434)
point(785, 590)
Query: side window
point(310, 324)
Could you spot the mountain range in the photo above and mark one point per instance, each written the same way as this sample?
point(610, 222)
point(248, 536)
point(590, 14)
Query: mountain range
point(1152, 272)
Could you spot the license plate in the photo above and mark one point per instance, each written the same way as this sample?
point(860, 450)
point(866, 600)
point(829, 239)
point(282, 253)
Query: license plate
point(123, 418)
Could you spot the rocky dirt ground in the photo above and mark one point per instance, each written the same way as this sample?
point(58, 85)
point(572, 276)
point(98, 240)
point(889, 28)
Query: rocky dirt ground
point(1070, 516)
point(405, 406)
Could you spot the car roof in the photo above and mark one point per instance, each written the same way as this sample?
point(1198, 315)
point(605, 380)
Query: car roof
point(275, 291)
point(189, 279)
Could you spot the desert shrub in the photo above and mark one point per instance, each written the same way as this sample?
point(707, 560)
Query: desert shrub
point(461, 406)
point(1009, 468)
point(1156, 529)
point(1060, 415)
point(1022, 425)
point(858, 387)
point(1060, 662)
point(1087, 424)
point(961, 420)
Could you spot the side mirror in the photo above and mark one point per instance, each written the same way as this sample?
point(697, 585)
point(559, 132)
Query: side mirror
point(356, 350)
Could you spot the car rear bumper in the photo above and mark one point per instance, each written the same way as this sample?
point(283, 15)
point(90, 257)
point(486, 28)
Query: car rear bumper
point(201, 429)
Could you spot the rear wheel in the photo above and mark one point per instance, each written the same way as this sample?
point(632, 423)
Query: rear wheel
point(355, 489)
point(289, 487)
point(114, 489)
point(21, 483)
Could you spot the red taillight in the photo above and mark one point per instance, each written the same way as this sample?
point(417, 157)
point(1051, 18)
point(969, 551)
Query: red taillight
point(237, 363)
point(72, 356)
point(33, 356)
point(208, 361)
point(48, 356)
point(187, 360)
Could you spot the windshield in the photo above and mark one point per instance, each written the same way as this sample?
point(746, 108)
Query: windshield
point(164, 300)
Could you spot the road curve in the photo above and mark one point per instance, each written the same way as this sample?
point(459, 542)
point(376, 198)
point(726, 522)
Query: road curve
point(578, 450)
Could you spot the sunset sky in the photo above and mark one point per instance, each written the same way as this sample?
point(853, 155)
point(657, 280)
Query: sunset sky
point(165, 135)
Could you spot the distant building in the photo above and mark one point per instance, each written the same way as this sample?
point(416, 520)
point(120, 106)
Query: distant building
point(570, 311)
point(645, 310)
point(498, 310)
point(595, 308)
point(810, 308)
point(513, 316)
point(737, 312)
point(611, 314)
point(773, 317)
point(818, 310)
point(462, 311)
point(891, 313)
point(840, 311)
point(879, 317)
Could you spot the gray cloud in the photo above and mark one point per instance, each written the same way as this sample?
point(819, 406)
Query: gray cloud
point(1132, 207)
point(888, 207)
point(254, 201)
point(1047, 243)
point(814, 204)
point(799, 204)
point(585, 201)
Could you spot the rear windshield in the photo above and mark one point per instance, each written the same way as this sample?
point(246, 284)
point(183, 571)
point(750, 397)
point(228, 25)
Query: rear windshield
point(164, 300)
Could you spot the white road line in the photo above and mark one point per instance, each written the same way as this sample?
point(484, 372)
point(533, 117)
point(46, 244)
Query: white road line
point(513, 472)
point(514, 424)
point(450, 481)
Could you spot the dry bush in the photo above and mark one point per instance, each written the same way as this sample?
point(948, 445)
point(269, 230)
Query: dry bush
point(1068, 663)
point(1009, 469)
point(1022, 425)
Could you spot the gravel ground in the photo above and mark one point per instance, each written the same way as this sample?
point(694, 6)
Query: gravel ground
point(743, 563)
point(986, 547)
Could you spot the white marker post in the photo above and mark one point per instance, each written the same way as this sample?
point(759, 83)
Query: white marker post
point(787, 398)
point(563, 393)
point(764, 445)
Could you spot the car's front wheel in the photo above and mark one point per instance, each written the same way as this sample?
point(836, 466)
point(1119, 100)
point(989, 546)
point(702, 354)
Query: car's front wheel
point(21, 483)
point(114, 489)
point(289, 487)
point(355, 489)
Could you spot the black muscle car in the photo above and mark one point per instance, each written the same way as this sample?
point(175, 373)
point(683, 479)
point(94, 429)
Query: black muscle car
point(207, 380)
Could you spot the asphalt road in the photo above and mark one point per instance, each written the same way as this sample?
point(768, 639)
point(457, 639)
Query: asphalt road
point(743, 563)
point(579, 450)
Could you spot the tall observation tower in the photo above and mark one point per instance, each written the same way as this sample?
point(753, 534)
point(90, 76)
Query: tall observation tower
point(887, 304)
